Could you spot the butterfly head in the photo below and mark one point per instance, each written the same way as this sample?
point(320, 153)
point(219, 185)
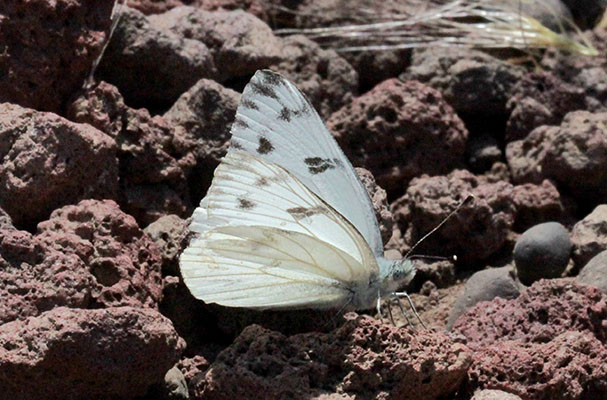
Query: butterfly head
point(395, 274)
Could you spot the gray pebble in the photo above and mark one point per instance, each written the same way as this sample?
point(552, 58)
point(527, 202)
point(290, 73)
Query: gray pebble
point(542, 252)
point(484, 286)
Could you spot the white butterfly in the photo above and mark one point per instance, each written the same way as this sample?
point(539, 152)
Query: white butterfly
point(286, 222)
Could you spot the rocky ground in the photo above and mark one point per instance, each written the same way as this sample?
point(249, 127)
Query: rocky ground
point(97, 182)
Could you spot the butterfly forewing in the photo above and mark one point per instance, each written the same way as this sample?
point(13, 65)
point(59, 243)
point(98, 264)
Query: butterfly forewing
point(276, 122)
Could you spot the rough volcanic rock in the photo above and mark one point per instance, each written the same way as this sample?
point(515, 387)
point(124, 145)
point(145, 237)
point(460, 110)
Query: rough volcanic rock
point(573, 154)
point(193, 369)
point(47, 161)
point(125, 262)
point(477, 231)
point(492, 394)
point(542, 252)
point(324, 76)
point(536, 204)
point(398, 131)
point(589, 236)
point(171, 234)
point(545, 310)
point(471, 81)
point(571, 366)
point(484, 285)
point(362, 358)
point(35, 278)
point(48, 49)
point(483, 152)
point(595, 272)
point(239, 42)
point(170, 62)
point(379, 198)
point(152, 179)
point(77, 353)
point(201, 120)
point(540, 98)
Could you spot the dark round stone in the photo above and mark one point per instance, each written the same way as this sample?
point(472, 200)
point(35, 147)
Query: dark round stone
point(542, 251)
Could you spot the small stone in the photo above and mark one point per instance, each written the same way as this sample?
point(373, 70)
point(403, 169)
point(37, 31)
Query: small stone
point(484, 286)
point(494, 394)
point(483, 151)
point(170, 233)
point(542, 252)
point(175, 385)
point(595, 272)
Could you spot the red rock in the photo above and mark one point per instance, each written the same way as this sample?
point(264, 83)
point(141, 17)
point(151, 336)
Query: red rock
point(193, 369)
point(573, 154)
point(139, 49)
point(471, 81)
point(544, 311)
point(171, 235)
point(477, 231)
point(589, 236)
point(201, 120)
point(48, 161)
point(239, 42)
point(77, 353)
point(48, 49)
point(35, 277)
point(540, 98)
point(536, 204)
point(398, 131)
point(364, 358)
point(152, 180)
point(572, 366)
point(125, 263)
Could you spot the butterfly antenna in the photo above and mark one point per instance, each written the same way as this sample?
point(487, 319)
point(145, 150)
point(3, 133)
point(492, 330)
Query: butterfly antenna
point(437, 227)
point(453, 258)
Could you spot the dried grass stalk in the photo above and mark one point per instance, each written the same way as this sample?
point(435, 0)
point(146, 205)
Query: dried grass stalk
point(466, 23)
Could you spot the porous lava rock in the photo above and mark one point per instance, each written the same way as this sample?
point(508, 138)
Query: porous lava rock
point(571, 366)
point(138, 49)
point(379, 198)
point(589, 236)
point(200, 121)
point(35, 277)
point(77, 353)
point(47, 161)
point(477, 231)
point(152, 173)
point(361, 358)
point(540, 98)
point(239, 42)
point(537, 203)
point(471, 81)
point(573, 154)
point(547, 309)
point(48, 49)
point(124, 262)
point(404, 124)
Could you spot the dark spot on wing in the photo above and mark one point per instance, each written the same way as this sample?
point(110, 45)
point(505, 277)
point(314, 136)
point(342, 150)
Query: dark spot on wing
point(265, 146)
point(302, 212)
point(262, 181)
point(338, 162)
point(245, 204)
point(316, 165)
point(271, 78)
point(246, 103)
point(235, 145)
point(263, 90)
point(240, 122)
point(285, 114)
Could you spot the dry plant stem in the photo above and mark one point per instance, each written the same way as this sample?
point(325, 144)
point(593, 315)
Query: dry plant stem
point(465, 23)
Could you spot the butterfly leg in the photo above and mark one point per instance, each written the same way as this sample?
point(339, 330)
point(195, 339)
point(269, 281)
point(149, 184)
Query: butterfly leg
point(406, 295)
point(405, 314)
point(379, 306)
point(390, 313)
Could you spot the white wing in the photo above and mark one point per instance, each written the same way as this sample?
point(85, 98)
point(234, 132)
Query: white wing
point(266, 241)
point(277, 123)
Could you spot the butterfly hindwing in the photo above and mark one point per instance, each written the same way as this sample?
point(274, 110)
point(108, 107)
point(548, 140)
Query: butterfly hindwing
point(266, 241)
point(276, 122)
